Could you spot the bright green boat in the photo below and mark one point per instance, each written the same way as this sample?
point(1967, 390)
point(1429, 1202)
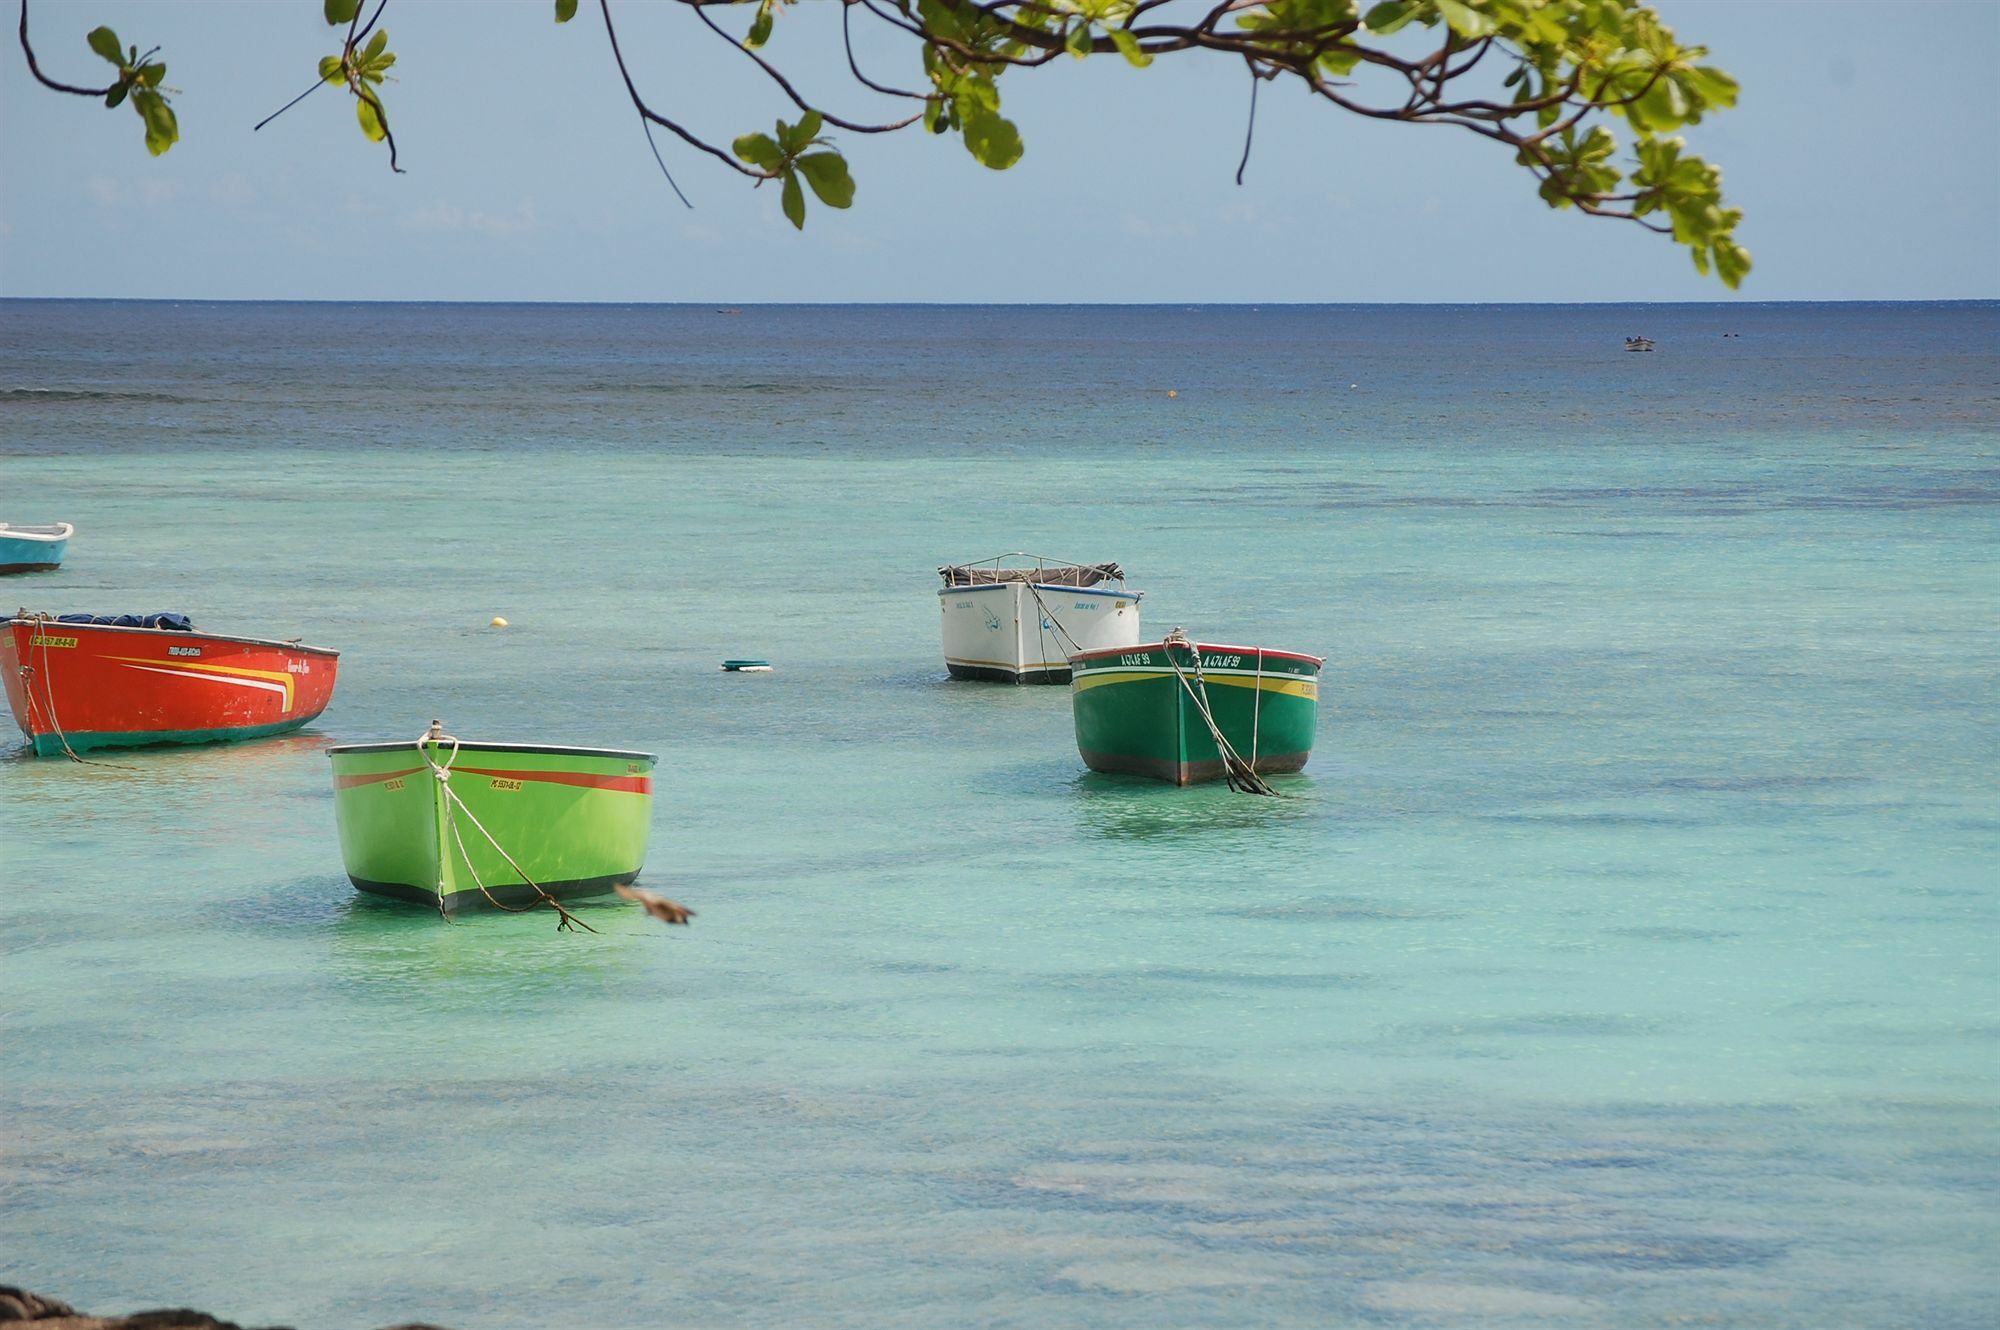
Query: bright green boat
point(1158, 710)
point(451, 824)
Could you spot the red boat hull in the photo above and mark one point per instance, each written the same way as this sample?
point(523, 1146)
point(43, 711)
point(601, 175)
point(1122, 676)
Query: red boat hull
point(79, 686)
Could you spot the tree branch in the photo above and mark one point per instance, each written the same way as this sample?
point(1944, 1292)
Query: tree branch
point(701, 12)
point(655, 117)
point(44, 79)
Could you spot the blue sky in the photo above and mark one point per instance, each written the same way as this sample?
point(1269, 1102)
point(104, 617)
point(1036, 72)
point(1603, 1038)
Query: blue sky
point(1864, 152)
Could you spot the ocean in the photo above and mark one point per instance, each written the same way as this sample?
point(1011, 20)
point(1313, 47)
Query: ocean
point(1625, 956)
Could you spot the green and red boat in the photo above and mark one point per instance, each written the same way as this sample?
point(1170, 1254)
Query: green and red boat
point(1186, 712)
point(451, 824)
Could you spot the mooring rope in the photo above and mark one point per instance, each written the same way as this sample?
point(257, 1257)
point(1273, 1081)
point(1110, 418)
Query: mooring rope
point(38, 635)
point(1257, 710)
point(442, 774)
point(1047, 616)
point(1240, 775)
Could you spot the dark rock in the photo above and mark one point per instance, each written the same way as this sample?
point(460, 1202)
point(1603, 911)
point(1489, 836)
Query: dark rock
point(17, 1304)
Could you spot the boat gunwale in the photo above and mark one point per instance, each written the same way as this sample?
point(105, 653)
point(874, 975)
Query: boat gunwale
point(1097, 652)
point(1040, 586)
point(50, 533)
point(52, 623)
point(467, 746)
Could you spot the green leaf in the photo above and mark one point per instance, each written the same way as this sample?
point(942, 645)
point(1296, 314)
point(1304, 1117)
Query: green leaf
point(795, 200)
point(827, 173)
point(117, 93)
point(367, 112)
point(1663, 106)
point(1078, 41)
point(162, 129)
point(341, 11)
point(330, 69)
point(565, 10)
point(760, 27)
point(1388, 16)
point(992, 139)
point(149, 75)
point(759, 150)
point(1732, 263)
point(375, 45)
point(1711, 85)
point(105, 42)
point(1128, 46)
point(1464, 19)
point(975, 92)
point(797, 138)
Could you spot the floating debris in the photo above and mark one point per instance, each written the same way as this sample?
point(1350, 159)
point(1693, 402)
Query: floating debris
point(666, 911)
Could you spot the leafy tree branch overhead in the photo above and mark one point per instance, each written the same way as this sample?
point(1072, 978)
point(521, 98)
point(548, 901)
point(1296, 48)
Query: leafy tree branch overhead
point(1587, 96)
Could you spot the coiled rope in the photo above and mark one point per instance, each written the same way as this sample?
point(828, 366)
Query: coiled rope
point(434, 737)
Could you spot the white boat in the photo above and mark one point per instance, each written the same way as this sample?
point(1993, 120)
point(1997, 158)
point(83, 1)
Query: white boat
point(30, 549)
point(1018, 618)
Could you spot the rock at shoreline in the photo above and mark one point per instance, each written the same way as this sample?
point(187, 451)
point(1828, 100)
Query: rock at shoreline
point(19, 1305)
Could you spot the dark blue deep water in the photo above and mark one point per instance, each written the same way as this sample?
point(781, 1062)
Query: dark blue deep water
point(1624, 958)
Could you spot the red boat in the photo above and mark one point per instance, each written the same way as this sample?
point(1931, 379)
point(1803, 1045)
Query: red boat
point(75, 686)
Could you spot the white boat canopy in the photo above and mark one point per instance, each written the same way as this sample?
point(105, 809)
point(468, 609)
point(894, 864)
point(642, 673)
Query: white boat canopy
point(1036, 568)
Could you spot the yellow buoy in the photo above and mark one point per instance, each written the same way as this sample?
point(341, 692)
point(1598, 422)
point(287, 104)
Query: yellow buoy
point(498, 622)
point(1173, 392)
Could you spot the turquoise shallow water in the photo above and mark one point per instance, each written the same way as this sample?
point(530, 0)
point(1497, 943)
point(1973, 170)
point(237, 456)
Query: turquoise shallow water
point(1624, 957)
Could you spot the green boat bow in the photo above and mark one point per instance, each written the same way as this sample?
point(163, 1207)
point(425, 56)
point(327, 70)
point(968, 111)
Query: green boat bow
point(1155, 710)
point(450, 824)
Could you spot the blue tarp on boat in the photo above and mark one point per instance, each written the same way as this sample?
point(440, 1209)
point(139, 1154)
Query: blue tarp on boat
point(178, 623)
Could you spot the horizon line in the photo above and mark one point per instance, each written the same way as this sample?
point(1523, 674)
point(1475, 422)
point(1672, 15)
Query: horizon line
point(1001, 304)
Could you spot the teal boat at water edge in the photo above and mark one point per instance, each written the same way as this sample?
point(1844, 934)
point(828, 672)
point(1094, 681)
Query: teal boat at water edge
point(1158, 709)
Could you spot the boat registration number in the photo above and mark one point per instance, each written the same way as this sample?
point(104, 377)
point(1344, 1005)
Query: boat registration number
point(40, 640)
point(500, 783)
point(183, 651)
point(395, 784)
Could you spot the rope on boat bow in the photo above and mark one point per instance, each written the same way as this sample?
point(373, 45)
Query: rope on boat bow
point(39, 635)
point(1241, 775)
point(1049, 620)
point(433, 737)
